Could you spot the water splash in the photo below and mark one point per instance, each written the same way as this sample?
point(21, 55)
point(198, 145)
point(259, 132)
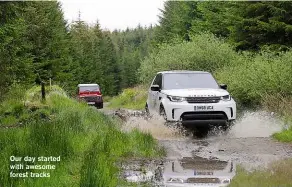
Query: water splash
point(155, 126)
point(256, 124)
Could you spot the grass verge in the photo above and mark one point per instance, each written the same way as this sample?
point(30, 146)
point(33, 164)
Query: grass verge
point(88, 142)
point(283, 107)
point(278, 174)
point(131, 98)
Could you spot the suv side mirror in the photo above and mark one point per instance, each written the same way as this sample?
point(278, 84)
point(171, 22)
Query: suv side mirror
point(223, 86)
point(155, 88)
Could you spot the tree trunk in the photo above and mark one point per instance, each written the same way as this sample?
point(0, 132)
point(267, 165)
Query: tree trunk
point(43, 91)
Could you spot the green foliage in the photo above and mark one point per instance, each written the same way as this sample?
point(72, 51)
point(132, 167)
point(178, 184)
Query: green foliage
point(15, 59)
point(94, 58)
point(249, 77)
point(284, 136)
point(34, 43)
point(131, 45)
point(88, 142)
point(247, 25)
point(215, 17)
point(132, 98)
point(277, 174)
point(282, 105)
point(48, 37)
point(12, 108)
point(257, 23)
point(106, 98)
point(204, 53)
point(254, 77)
point(176, 20)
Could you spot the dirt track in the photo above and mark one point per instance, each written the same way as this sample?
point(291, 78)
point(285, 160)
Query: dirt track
point(211, 159)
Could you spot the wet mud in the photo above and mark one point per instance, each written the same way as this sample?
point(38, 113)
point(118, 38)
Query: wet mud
point(209, 159)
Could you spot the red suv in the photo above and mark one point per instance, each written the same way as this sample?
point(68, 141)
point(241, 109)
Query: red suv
point(91, 94)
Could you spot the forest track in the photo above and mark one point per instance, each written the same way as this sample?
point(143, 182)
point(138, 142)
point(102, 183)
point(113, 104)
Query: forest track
point(211, 158)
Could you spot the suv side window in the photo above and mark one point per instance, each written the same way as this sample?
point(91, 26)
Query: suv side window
point(155, 80)
point(158, 80)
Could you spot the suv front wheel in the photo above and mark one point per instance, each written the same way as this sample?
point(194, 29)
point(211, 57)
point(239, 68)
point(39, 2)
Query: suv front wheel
point(147, 109)
point(162, 113)
point(99, 105)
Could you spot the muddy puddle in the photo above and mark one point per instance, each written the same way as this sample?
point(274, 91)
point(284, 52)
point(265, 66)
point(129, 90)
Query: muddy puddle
point(186, 171)
point(207, 160)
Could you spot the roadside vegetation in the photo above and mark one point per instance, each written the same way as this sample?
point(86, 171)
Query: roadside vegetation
point(277, 174)
point(130, 98)
point(90, 144)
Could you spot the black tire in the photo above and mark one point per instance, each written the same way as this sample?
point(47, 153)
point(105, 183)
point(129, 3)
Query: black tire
point(162, 113)
point(228, 125)
point(147, 110)
point(99, 105)
point(201, 132)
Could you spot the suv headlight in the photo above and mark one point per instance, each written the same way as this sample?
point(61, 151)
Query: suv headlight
point(176, 98)
point(226, 98)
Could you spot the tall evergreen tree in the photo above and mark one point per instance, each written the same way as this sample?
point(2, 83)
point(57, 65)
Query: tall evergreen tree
point(15, 58)
point(48, 36)
point(214, 17)
point(260, 24)
point(131, 45)
point(176, 20)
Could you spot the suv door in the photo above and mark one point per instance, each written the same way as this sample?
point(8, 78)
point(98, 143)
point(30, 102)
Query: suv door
point(150, 101)
point(156, 94)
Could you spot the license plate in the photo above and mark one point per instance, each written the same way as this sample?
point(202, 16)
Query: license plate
point(202, 108)
point(203, 173)
point(91, 103)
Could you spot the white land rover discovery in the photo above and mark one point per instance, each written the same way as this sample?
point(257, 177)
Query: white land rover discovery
point(190, 97)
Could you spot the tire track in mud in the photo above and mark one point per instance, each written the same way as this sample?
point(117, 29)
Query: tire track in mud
point(209, 160)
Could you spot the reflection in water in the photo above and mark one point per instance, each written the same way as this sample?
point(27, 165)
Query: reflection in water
point(198, 171)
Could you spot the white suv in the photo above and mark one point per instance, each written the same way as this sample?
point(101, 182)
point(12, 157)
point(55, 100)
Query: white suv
point(191, 97)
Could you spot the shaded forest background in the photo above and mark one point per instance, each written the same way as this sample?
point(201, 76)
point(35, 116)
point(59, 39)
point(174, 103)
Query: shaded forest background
point(36, 43)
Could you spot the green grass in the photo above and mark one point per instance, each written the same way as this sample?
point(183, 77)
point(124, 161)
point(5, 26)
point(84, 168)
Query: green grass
point(130, 98)
point(284, 136)
point(283, 107)
point(106, 98)
point(278, 174)
point(89, 143)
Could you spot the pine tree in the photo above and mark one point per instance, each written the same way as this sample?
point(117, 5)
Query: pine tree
point(260, 24)
point(176, 20)
point(214, 17)
point(15, 58)
point(131, 45)
point(49, 39)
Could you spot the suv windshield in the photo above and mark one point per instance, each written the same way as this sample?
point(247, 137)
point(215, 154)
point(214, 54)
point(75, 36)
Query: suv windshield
point(88, 89)
point(188, 80)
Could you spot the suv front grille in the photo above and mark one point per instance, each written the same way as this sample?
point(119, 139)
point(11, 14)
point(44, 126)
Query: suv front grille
point(211, 115)
point(203, 99)
point(91, 99)
point(204, 180)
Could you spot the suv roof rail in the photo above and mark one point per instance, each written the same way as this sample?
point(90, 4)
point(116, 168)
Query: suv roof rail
point(94, 84)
